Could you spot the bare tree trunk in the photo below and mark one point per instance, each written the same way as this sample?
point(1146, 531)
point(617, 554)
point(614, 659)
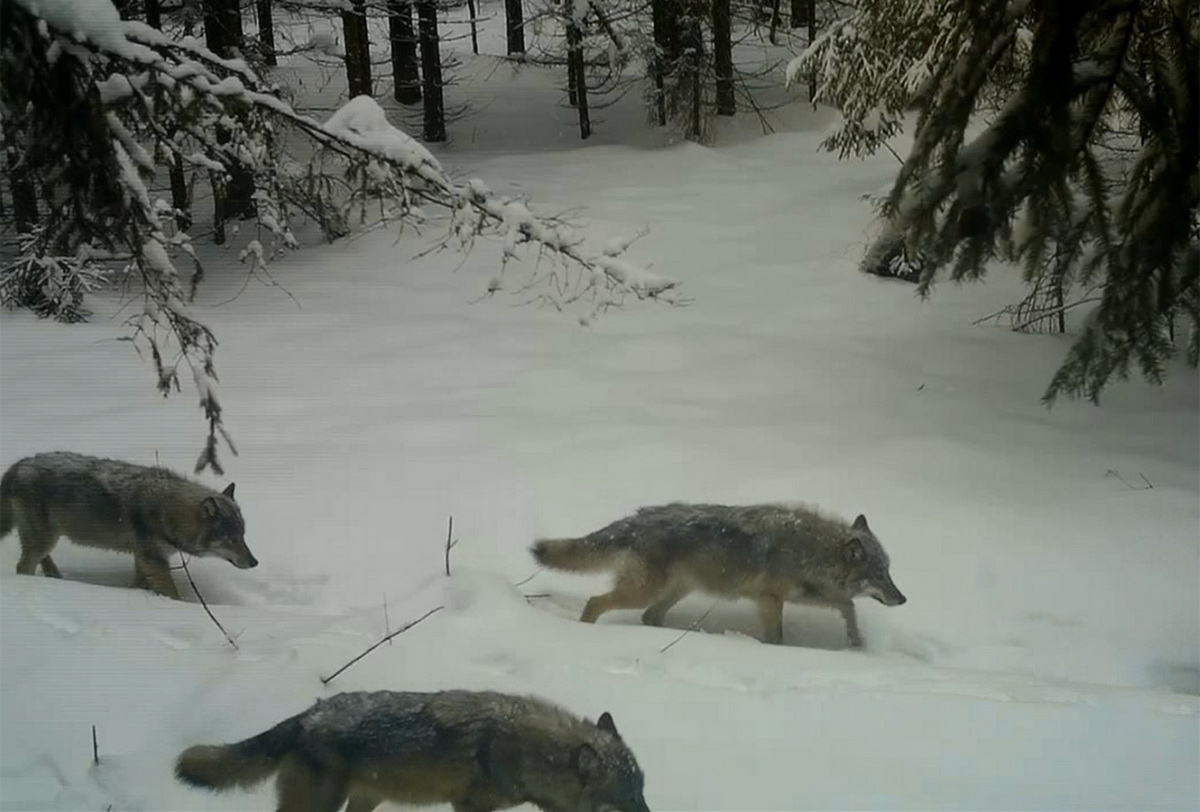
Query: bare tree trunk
point(224, 36)
point(723, 57)
point(358, 49)
point(576, 77)
point(514, 17)
point(776, 19)
point(406, 77)
point(154, 13)
point(266, 31)
point(474, 27)
point(431, 71)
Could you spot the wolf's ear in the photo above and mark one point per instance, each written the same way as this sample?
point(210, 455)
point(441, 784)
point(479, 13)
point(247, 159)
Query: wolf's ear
point(605, 723)
point(587, 764)
point(229, 492)
point(854, 550)
point(859, 524)
point(210, 508)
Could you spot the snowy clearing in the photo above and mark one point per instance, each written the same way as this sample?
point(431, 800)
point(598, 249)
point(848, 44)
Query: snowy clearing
point(1048, 656)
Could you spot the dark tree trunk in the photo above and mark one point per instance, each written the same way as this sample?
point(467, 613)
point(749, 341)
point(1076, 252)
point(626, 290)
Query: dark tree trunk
point(723, 57)
point(358, 49)
point(179, 194)
point(224, 36)
point(154, 14)
point(474, 27)
point(576, 77)
point(514, 17)
point(223, 27)
point(776, 19)
point(572, 82)
point(431, 71)
point(665, 14)
point(693, 58)
point(266, 31)
point(812, 34)
point(24, 195)
point(799, 13)
point(220, 210)
point(406, 77)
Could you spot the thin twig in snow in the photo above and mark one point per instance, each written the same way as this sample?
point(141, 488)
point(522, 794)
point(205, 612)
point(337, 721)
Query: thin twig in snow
point(204, 603)
point(1149, 484)
point(690, 628)
point(401, 630)
point(536, 573)
point(449, 544)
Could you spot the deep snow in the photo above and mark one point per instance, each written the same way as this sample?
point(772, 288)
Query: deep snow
point(1049, 654)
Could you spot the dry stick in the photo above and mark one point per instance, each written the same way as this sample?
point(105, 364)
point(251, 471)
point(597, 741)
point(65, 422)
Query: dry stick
point(196, 589)
point(690, 628)
point(95, 747)
point(449, 544)
point(536, 573)
point(1149, 484)
point(401, 630)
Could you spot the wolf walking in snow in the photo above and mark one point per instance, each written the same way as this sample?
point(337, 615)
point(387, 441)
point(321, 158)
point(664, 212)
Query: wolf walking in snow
point(477, 751)
point(149, 512)
point(774, 554)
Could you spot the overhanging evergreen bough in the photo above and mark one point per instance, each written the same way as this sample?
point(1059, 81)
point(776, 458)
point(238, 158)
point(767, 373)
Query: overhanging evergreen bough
point(94, 106)
point(1087, 169)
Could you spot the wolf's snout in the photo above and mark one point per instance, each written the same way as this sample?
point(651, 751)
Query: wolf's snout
point(248, 562)
point(893, 596)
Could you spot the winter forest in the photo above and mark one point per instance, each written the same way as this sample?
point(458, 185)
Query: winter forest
point(833, 362)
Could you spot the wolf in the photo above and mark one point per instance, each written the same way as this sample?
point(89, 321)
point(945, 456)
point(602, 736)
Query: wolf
point(772, 553)
point(114, 505)
point(477, 751)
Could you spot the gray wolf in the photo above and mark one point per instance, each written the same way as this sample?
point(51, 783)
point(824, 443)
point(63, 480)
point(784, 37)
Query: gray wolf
point(771, 553)
point(477, 751)
point(149, 512)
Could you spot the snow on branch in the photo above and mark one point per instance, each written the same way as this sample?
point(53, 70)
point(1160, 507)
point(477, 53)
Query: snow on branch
point(147, 102)
point(1084, 165)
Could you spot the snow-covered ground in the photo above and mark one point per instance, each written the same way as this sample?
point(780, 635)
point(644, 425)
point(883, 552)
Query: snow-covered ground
point(1048, 656)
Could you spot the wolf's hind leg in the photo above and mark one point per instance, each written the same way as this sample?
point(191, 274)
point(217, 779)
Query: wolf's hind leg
point(49, 568)
point(154, 574)
point(846, 609)
point(36, 543)
point(657, 612)
point(305, 787)
point(634, 589)
point(770, 612)
point(362, 803)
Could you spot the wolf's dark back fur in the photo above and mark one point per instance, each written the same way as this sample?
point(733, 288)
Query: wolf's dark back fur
point(476, 750)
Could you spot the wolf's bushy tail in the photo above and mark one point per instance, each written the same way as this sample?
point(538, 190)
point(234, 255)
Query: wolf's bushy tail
point(8, 487)
point(576, 555)
point(243, 764)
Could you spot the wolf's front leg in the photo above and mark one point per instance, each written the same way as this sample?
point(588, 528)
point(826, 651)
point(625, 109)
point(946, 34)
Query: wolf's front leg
point(846, 608)
point(153, 573)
